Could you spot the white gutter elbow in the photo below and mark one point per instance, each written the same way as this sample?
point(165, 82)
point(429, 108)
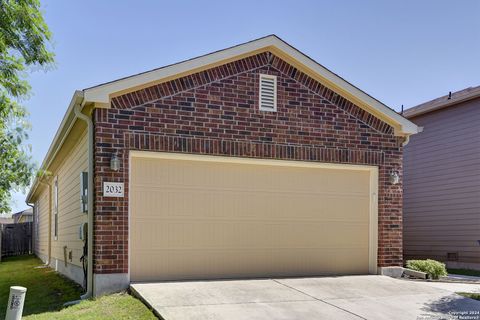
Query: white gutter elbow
point(407, 138)
point(78, 113)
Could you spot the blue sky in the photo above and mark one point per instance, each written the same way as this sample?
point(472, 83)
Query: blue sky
point(401, 52)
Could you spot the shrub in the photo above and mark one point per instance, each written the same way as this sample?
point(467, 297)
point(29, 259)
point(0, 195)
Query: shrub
point(433, 268)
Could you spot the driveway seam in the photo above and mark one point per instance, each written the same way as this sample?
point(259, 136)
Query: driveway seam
point(313, 297)
point(230, 303)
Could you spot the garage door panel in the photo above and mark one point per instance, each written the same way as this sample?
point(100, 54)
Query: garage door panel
point(223, 204)
point(207, 219)
point(232, 235)
point(208, 264)
point(236, 176)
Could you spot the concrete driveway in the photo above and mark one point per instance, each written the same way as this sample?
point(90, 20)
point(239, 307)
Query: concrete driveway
point(348, 297)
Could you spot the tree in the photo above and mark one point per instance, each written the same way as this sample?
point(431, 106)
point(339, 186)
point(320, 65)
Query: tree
point(24, 37)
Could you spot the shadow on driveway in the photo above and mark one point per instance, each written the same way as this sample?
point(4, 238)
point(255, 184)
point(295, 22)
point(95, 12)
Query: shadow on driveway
point(455, 306)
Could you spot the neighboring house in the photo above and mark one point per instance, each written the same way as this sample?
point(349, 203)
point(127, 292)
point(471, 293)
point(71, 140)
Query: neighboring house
point(6, 219)
point(442, 181)
point(23, 216)
point(252, 161)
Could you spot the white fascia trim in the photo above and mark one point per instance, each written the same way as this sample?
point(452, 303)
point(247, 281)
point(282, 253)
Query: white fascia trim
point(407, 126)
point(101, 94)
point(65, 126)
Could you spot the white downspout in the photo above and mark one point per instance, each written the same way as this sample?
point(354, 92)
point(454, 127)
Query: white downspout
point(33, 231)
point(88, 120)
point(49, 186)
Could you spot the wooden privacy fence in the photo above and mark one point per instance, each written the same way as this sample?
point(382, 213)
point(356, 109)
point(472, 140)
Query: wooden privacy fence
point(16, 239)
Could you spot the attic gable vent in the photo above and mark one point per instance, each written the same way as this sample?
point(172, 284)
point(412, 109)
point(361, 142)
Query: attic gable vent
point(268, 93)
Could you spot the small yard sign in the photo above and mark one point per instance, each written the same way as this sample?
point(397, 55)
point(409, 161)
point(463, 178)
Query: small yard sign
point(113, 189)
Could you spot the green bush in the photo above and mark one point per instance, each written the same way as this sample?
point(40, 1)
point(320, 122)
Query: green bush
point(433, 268)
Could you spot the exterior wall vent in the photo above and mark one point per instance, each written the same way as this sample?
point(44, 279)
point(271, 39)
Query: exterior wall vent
point(452, 256)
point(268, 93)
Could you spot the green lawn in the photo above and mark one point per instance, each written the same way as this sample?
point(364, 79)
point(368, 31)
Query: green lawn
point(465, 272)
point(475, 296)
point(115, 306)
point(47, 291)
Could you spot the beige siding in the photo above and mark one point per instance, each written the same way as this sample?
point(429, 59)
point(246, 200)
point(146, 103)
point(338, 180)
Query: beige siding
point(197, 219)
point(69, 162)
point(69, 211)
point(442, 185)
point(67, 167)
point(41, 239)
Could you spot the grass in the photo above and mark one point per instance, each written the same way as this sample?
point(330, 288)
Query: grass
point(464, 272)
point(475, 296)
point(115, 306)
point(47, 291)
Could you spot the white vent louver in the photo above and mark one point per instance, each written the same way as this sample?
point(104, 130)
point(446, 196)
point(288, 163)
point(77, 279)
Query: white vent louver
point(268, 92)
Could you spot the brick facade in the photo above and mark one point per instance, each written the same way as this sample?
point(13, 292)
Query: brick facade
point(216, 112)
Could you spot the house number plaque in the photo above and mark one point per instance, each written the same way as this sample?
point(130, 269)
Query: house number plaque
point(113, 189)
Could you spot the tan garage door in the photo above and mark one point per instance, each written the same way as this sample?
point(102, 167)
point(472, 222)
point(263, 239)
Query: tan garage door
point(200, 217)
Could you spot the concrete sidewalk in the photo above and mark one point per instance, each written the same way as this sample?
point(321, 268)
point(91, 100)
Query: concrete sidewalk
point(463, 277)
point(348, 297)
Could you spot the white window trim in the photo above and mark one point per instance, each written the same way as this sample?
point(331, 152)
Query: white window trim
point(267, 76)
point(55, 208)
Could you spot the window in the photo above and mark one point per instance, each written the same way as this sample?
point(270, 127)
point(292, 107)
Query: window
point(268, 93)
point(55, 209)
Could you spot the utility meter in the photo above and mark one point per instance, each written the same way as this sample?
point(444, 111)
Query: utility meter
point(84, 191)
point(82, 231)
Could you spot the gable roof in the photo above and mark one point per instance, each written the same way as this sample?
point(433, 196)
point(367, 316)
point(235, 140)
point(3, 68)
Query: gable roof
point(443, 102)
point(101, 95)
point(18, 215)
point(27, 212)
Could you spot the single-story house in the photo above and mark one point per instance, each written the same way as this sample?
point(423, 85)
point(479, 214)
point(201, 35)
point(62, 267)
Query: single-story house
point(23, 216)
point(442, 181)
point(252, 161)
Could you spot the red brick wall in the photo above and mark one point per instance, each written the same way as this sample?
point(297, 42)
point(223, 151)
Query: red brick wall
point(216, 112)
